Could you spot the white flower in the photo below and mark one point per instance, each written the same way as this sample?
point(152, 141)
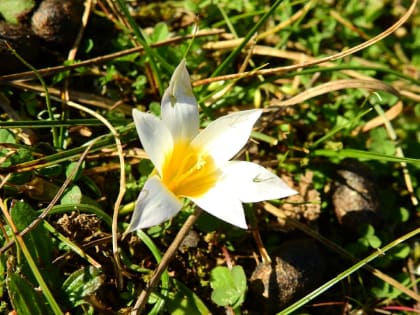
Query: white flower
point(195, 165)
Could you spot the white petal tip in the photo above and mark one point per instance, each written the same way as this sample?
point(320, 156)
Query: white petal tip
point(242, 226)
point(154, 206)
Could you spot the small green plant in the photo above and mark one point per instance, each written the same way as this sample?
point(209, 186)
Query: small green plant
point(229, 286)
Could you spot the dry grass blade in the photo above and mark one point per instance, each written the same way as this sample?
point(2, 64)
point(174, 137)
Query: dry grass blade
point(268, 51)
point(213, 98)
point(301, 58)
point(121, 192)
point(337, 56)
point(99, 60)
point(342, 252)
point(232, 43)
point(299, 14)
point(166, 259)
point(73, 51)
point(85, 19)
point(398, 152)
point(337, 16)
point(57, 197)
point(77, 96)
point(371, 84)
point(390, 114)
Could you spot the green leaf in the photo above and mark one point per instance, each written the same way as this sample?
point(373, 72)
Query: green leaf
point(380, 142)
point(385, 290)
point(191, 5)
point(71, 196)
point(160, 32)
point(229, 286)
point(91, 186)
point(369, 238)
point(24, 298)
point(7, 137)
point(22, 215)
point(401, 251)
point(12, 156)
point(41, 247)
point(404, 214)
point(11, 10)
point(82, 283)
point(374, 241)
point(70, 169)
point(184, 301)
point(52, 170)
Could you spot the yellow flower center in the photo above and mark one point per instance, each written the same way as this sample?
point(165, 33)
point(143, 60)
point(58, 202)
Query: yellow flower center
point(188, 172)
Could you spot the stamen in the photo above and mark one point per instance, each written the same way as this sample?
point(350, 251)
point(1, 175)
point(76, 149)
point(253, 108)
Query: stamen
point(187, 172)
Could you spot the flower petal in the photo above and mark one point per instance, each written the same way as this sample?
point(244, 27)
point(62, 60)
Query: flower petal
point(220, 202)
point(225, 136)
point(179, 109)
point(154, 205)
point(154, 136)
point(254, 183)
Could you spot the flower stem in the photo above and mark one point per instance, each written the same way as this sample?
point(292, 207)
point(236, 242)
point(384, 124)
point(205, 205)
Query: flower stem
point(166, 259)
